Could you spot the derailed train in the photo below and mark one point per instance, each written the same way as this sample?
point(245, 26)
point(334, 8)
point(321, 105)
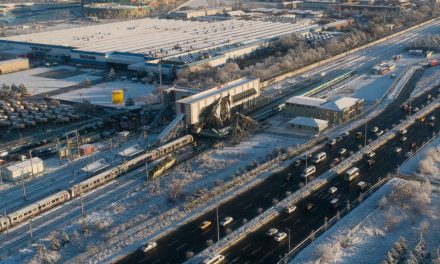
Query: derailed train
point(91, 183)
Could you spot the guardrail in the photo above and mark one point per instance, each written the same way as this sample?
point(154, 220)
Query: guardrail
point(330, 222)
point(241, 232)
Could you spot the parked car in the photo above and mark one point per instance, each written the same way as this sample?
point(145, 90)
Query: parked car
point(331, 142)
point(205, 225)
point(290, 209)
point(342, 151)
point(398, 150)
point(226, 221)
point(148, 247)
point(280, 236)
point(271, 232)
point(332, 190)
point(335, 162)
point(374, 129)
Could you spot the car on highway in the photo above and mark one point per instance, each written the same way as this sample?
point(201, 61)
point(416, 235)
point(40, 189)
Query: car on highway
point(403, 139)
point(309, 207)
point(359, 135)
point(416, 109)
point(362, 185)
point(271, 232)
point(280, 236)
point(379, 133)
point(370, 162)
point(214, 259)
point(375, 129)
point(148, 247)
point(403, 132)
point(308, 171)
point(345, 134)
point(331, 142)
point(226, 221)
point(398, 150)
point(334, 202)
point(370, 155)
point(431, 124)
point(290, 209)
point(342, 151)
point(335, 162)
point(297, 163)
point(339, 138)
point(288, 177)
point(431, 118)
point(321, 156)
point(205, 225)
point(332, 190)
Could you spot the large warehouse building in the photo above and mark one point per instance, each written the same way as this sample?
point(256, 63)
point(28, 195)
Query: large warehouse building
point(143, 44)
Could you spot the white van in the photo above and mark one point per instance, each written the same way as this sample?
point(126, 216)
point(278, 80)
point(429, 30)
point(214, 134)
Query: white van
point(308, 171)
point(214, 260)
point(319, 157)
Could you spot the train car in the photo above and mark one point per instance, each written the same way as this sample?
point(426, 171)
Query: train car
point(172, 146)
point(23, 214)
point(53, 200)
point(5, 223)
point(135, 162)
point(162, 167)
point(93, 182)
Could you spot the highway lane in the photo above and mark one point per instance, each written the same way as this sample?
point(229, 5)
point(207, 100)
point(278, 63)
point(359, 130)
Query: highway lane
point(258, 248)
point(247, 205)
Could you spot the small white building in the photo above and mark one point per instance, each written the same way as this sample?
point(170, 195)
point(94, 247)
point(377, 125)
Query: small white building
point(23, 169)
point(308, 124)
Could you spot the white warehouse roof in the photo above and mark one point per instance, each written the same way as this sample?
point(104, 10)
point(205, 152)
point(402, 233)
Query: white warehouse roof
point(308, 122)
point(304, 100)
point(160, 37)
point(340, 104)
point(24, 165)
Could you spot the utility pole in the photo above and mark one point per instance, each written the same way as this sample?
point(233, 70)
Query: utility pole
point(289, 239)
point(22, 184)
point(32, 164)
point(58, 148)
point(82, 203)
point(77, 143)
point(306, 169)
point(365, 134)
point(218, 226)
point(30, 227)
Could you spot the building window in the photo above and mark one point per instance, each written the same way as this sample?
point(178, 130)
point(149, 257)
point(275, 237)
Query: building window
point(243, 95)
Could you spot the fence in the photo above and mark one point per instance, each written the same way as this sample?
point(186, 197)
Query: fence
point(332, 220)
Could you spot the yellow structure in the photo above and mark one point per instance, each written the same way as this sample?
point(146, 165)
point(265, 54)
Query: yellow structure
point(117, 96)
point(14, 65)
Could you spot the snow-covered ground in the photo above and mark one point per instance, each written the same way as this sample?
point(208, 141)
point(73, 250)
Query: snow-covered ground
point(101, 94)
point(205, 171)
point(430, 78)
point(399, 209)
point(425, 163)
point(36, 84)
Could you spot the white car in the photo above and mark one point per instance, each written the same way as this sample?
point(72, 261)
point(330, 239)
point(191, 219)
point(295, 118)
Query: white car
point(271, 232)
point(290, 209)
point(375, 129)
point(332, 190)
point(397, 150)
point(379, 133)
point(342, 151)
point(403, 139)
point(280, 236)
point(149, 246)
point(226, 221)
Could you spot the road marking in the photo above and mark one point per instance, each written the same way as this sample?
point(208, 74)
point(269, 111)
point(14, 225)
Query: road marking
point(284, 184)
point(177, 249)
point(267, 194)
point(175, 241)
point(255, 251)
point(157, 260)
point(248, 206)
point(248, 245)
point(234, 260)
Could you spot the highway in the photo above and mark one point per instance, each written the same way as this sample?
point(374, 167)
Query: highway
point(256, 247)
point(245, 206)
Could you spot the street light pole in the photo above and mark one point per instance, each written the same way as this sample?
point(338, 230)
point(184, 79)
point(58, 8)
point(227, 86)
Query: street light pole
point(288, 229)
point(218, 226)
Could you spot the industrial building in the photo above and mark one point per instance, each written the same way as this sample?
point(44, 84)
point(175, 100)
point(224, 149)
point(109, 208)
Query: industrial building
point(23, 169)
point(187, 14)
point(335, 111)
point(308, 124)
point(238, 93)
point(149, 44)
point(13, 65)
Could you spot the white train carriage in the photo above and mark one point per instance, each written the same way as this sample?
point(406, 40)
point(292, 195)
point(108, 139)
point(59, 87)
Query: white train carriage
point(53, 200)
point(93, 182)
point(23, 214)
point(135, 162)
point(5, 223)
point(171, 147)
